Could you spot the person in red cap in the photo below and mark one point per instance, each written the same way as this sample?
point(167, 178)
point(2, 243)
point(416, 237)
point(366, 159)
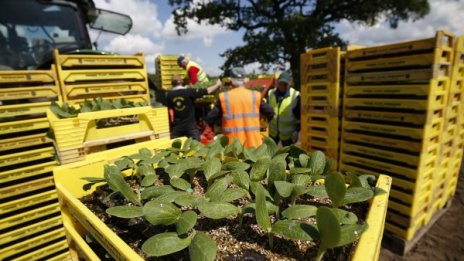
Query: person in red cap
point(195, 72)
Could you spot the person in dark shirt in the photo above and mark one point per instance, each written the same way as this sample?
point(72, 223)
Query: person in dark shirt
point(181, 100)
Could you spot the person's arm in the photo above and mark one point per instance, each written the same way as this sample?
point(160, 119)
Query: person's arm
point(193, 73)
point(297, 113)
point(266, 110)
point(215, 114)
point(214, 88)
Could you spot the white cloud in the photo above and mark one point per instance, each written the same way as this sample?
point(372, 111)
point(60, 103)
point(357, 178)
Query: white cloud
point(202, 31)
point(444, 14)
point(131, 44)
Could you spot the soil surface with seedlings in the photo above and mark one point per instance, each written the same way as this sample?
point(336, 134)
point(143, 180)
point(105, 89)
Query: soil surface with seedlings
point(234, 242)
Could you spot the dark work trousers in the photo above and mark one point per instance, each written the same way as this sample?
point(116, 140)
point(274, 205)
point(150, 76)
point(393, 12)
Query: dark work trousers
point(285, 143)
point(192, 133)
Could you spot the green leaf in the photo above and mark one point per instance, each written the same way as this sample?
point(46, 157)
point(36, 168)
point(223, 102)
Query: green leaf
point(236, 147)
point(277, 168)
point(261, 152)
point(124, 163)
point(116, 182)
point(164, 244)
point(295, 230)
point(250, 208)
point(211, 167)
point(379, 191)
point(192, 163)
point(177, 144)
point(161, 213)
point(262, 216)
point(241, 178)
point(329, 228)
point(298, 190)
point(155, 191)
point(145, 169)
point(317, 191)
point(284, 188)
point(254, 187)
point(259, 169)
point(217, 210)
point(60, 112)
point(236, 165)
point(249, 155)
point(357, 194)
point(301, 179)
point(170, 196)
point(365, 180)
point(328, 166)
point(345, 217)
point(94, 180)
point(186, 147)
point(355, 182)
point(271, 146)
point(299, 211)
point(202, 248)
point(303, 159)
point(180, 183)
point(187, 221)
point(296, 171)
point(145, 152)
point(125, 211)
point(175, 170)
point(295, 151)
point(224, 140)
point(219, 186)
point(335, 187)
point(149, 180)
point(350, 233)
point(186, 200)
point(214, 151)
point(317, 162)
point(232, 194)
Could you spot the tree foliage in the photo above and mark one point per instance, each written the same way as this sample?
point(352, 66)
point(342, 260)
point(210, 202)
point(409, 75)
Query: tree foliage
point(278, 31)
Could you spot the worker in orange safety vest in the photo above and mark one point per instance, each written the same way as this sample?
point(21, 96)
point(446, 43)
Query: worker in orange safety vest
point(240, 109)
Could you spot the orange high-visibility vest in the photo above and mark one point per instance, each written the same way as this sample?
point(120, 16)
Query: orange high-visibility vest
point(240, 116)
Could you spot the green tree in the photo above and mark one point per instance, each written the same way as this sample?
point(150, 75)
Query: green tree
point(278, 31)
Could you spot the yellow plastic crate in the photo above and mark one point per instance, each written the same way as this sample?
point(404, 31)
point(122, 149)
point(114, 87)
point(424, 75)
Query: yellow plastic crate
point(435, 57)
point(405, 145)
point(442, 40)
point(432, 103)
point(18, 85)
point(321, 65)
point(393, 117)
point(26, 156)
point(458, 62)
point(405, 221)
point(397, 77)
point(24, 141)
point(412, 205)
point(56, 248)
point(320, 120)
point(24, 246)
point(18, 204)
point(76, 61)
point(430, 130)
point(60, 257)
point(318, 140)
point(24, 187)
point(26, 172)
point(83, 76)
point(39, 108)
point(412, 173)
point(454, 109)
point(78, 247)
point(420, 160)
point(22, 232)
point(406, 232)
point(436, 86)
point(34, 214)
point(75, 133)
point(320, 130)
point(69, 186)
point(24, 125)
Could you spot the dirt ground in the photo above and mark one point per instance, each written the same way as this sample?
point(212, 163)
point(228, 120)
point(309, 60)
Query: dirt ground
point(445, 239)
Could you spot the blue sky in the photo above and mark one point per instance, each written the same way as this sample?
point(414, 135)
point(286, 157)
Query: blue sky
point(154, 33)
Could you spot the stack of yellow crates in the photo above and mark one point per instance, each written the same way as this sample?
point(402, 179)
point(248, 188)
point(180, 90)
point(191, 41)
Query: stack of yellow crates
point(395, 103)
point(30, 222)
point(87, 76)
point(321, 88)
point(166, 66)
point(452, 141)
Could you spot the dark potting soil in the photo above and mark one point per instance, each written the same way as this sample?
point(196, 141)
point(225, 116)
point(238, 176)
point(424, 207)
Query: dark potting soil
point(234, 243)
